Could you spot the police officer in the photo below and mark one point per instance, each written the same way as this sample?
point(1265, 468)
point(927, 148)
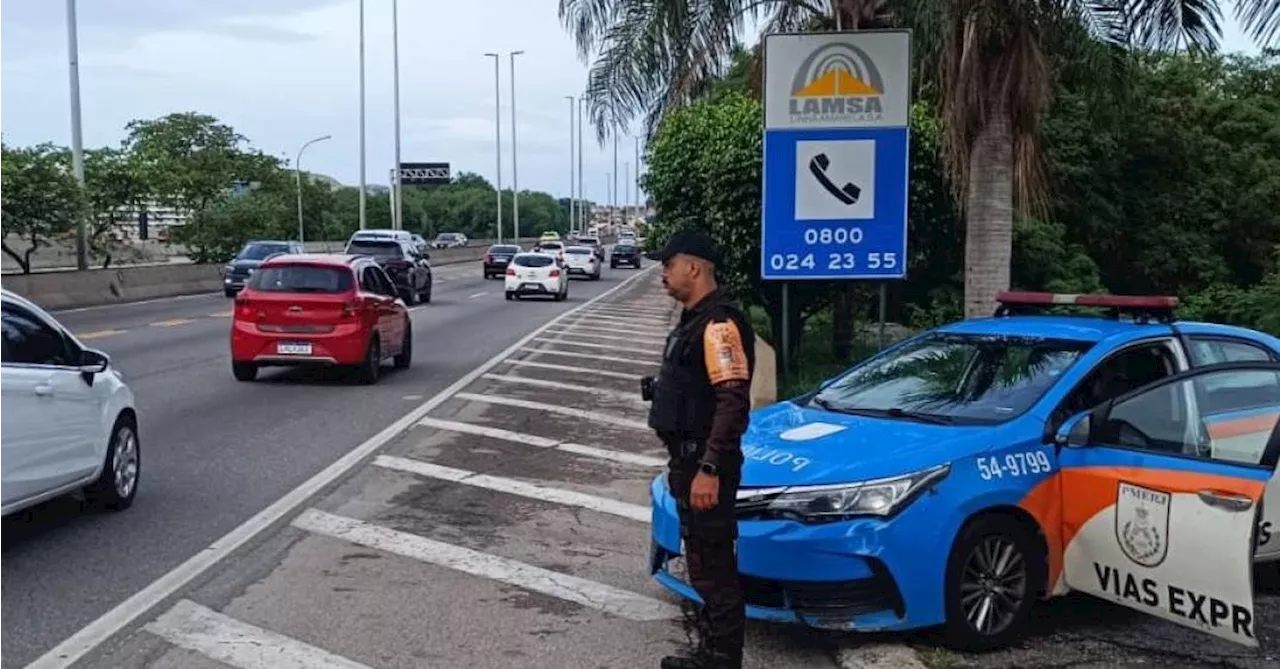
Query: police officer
point(700, 404)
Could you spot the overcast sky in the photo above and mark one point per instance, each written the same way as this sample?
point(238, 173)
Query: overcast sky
point(284, 71)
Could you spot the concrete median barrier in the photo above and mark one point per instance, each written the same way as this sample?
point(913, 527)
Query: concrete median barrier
point(96, 287)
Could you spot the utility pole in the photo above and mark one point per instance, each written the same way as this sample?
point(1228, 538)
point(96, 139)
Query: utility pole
point(515, 180)
point(573, 224)
point(497, 133)
point(397, 207)
point(362, 151)
point(613, 189)
point(77, 139)
point(582, 215)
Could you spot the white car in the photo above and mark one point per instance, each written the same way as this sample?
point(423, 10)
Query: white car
point(536, 274)
point(582, 260)
point(553, 249)
point(69, 418)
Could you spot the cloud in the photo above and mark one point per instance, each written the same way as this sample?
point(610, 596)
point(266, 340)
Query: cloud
point(284, 71)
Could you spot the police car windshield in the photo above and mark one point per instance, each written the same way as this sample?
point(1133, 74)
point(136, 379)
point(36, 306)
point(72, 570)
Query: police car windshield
point(949, 378)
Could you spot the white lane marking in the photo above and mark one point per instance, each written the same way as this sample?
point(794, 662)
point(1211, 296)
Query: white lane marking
point(239, 644)
point(649, 333)
point(76, 646)
point(480, 294)
point(628, 311)
point(612, 347)
point(619, 602)
point(515, 487)
point(577, 333)
point(118, 305)
point(543, 442)
point(557, 385)
point(653, 324)
point(591, 356)
point(573, 370)
point(608, 419)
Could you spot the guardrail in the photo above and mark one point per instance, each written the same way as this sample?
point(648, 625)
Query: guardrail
point(68, 289)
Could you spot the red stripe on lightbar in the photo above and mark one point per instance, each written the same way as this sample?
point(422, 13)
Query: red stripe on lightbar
point(1117, 301)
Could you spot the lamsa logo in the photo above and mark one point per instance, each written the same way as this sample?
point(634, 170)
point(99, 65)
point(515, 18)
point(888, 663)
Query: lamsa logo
point(837, 82)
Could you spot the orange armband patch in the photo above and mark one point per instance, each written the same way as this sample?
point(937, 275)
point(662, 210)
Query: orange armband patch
point(725, 357)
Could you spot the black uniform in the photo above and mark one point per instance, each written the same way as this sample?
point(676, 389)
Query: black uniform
point(701, 400)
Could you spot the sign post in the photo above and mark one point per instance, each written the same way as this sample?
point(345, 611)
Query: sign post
point(836, 158)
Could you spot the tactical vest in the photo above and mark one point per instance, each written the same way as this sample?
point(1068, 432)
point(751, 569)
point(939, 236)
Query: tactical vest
point(684, 401)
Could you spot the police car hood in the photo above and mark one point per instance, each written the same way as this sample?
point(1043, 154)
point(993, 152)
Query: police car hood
point(787, 444)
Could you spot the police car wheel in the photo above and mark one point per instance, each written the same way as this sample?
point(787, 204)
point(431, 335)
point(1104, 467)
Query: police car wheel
point(994, 576)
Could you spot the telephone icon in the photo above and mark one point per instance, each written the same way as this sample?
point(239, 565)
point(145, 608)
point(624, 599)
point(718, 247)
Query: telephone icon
point(848, 193)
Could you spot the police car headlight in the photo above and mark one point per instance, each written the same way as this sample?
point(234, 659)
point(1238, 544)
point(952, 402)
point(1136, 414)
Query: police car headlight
point(828, 503)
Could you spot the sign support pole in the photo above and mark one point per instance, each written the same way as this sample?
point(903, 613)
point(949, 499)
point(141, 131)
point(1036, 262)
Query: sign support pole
point(785, 353)
point(884, 301)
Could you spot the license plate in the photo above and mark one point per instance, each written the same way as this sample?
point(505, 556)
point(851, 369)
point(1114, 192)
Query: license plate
point(531, 286)
point(293, 348)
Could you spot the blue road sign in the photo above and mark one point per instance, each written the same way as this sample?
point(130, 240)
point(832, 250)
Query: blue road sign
point(835, 204)
point(836, 161)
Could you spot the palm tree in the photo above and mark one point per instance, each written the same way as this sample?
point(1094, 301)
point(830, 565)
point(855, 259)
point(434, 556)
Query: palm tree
point(992, 75)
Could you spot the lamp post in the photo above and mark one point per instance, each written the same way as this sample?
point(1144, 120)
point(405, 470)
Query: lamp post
point(613, 183)
point(572, 206)
point(398, 196)
point(362, 151)
point(297, 169)
point(497, 134)
point(639, 199)
point(77, 139)
point(582, 215)
point(515, 179)
point(626, 189)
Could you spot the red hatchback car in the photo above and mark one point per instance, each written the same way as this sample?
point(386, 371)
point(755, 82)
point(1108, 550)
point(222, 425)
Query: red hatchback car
point(319, 309)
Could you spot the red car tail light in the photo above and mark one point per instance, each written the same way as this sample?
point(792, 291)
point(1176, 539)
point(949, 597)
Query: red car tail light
point(555, 274)
point(350, 310)
point(245, 310)
point(511, 271)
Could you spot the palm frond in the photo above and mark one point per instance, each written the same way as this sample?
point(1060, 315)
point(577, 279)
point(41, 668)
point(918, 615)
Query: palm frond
point(1173, 24)
point(587, 21)
point(1261, 20)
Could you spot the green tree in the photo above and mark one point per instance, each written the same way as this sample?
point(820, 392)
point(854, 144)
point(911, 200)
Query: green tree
point(40, 201)
point(112, 185)
point(188, 160)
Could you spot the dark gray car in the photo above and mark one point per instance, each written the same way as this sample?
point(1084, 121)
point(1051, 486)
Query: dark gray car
point(237, 272)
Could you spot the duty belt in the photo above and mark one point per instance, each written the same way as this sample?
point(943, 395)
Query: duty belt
point(689, 449)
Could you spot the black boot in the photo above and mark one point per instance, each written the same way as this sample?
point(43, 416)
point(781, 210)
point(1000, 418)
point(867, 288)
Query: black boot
point(702, 659)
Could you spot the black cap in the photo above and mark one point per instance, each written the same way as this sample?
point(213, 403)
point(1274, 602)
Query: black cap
point(688, 242)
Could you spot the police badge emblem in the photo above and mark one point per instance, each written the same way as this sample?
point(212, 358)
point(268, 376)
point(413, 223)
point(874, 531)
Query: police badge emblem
point(1142, 523)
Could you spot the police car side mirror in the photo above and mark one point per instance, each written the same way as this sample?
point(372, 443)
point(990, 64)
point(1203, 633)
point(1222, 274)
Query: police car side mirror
point(1075, 431)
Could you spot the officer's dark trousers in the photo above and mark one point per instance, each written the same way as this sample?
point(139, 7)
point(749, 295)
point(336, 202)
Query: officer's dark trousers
point(711, 558)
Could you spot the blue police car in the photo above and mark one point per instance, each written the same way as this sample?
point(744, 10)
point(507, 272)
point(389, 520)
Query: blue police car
point(963, 474)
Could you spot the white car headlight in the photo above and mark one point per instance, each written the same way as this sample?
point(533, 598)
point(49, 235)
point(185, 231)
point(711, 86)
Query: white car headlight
point(828, 503)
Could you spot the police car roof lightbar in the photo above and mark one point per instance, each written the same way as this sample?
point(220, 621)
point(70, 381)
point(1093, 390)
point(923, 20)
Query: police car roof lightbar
point(1159, 307)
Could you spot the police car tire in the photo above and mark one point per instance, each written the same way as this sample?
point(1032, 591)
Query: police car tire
point(959, 634)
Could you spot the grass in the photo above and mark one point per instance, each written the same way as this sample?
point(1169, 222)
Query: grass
point(937, 658)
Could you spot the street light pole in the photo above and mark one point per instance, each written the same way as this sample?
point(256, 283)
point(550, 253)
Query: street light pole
point(297, 169)
point(362, 151)
point(613, 189)
point(582, 215)
point(77, 139)
point(497, 134)
point(573, 223)
point(398, 197)
point(639, 202)
point(626, 189)
point(515, 179)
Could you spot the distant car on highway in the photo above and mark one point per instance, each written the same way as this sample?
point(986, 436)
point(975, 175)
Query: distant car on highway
point(419, 243)
point(382, 234)
point(536, 274)
point(409, 269)
point(549, 236)
point(69, 417)
point(596, 247)
point(448, 240)
point(553, 249)
point(581, 260)
point(497, 258)
point(320, 310)
point(237, 272)
point(625, 253)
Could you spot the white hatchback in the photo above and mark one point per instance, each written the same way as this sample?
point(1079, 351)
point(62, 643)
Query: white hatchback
point(536, 274)
point(582, 260)
point(69, 418)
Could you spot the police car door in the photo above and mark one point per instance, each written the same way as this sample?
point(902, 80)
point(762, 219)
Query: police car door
point(1161, 490)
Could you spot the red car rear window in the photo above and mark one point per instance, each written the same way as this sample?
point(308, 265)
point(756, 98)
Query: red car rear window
point(302, 279)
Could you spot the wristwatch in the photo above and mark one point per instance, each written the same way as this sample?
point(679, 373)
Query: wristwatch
point(708, 469)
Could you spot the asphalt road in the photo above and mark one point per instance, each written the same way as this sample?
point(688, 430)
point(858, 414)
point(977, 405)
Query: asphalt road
point(215, 452)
